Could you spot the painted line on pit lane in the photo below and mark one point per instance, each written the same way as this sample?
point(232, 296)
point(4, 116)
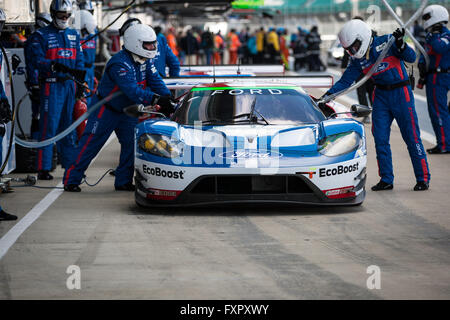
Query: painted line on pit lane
point(8, 240)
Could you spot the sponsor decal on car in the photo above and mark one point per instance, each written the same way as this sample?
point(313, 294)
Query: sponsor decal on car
point(341, 169)
point(158, 172)
point(251, 154)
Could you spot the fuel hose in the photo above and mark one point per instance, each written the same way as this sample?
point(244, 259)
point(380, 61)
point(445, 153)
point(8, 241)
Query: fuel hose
point(40, 144)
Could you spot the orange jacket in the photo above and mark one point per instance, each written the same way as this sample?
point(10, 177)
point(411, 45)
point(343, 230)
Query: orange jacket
point(234, 42)
point(172, 42)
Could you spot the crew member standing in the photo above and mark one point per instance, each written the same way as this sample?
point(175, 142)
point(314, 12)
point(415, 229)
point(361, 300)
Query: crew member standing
point(140, 83)
point(58, 53)
point(393, 98)
point(437, 78)
point(165, 57)
point(32, 73)
point(5, 117)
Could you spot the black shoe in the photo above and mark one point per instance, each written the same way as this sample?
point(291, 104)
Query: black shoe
point(436, 150)
point(421, 186)
point(72, 188)
point(44, 175)
point(126, 187)
point(4, 216)
point(382, 186)
point(112, 173)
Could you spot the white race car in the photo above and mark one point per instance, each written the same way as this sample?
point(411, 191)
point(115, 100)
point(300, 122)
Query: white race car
point(249, 140)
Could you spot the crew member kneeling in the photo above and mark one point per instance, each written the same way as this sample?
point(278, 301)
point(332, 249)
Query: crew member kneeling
point(392, 97)
point(140, 83)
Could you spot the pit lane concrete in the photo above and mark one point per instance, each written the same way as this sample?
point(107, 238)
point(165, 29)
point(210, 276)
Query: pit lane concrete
point(125, 252)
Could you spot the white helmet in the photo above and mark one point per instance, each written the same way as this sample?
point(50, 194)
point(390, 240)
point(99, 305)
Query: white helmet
point(87, 21)
point(43, 19)
point(355, 36)
point(86, 5)
point(2, 19)
point(63, 7)
point(140, 39)
point(434, 14)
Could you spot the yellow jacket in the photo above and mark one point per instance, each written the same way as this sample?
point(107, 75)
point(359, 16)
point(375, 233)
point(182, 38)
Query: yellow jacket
point(272, 38)
point(260, 41)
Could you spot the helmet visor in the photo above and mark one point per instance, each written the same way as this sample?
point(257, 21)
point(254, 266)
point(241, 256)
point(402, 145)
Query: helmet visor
point(354, 47)
point(426, 16)
point(62, 15)
point(149, 45)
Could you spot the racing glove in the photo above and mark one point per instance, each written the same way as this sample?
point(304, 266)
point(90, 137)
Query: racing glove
point(5, 111)
point(398, 35)
point(59, 67)
point(34, 94)
point(79, 75)
point(165, 102)
point(422, 70)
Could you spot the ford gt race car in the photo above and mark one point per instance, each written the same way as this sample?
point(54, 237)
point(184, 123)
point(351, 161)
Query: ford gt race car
point(249, 140)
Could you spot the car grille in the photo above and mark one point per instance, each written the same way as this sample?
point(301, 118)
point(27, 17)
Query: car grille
point(256, 184)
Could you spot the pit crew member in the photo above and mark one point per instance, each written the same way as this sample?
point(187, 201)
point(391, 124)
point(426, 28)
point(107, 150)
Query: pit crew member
point(140, 83)
point(392, 97)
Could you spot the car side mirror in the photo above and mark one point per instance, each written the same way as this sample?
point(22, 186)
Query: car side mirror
point(360, 110)
point(134, 111)
point(138, 110)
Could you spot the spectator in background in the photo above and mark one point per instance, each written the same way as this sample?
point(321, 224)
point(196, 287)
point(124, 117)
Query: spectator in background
point(208, 45)
point(218, 48)
point(313, 40)
point(260, 45)
point(300, 48)
point(273, 47)
point(243, 49)
point(172, 41)
point(233, 46)
point(181, 52)
point(190, 46)
point(252, 49)
point(284, 49)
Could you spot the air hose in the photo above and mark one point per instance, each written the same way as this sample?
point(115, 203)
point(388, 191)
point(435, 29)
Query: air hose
point(378, 61)
point(128, 7)
point(17, 113)
point(11, 137)
point(40, 144)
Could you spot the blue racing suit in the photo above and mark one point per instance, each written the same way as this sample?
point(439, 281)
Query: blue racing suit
point(392, 99)
point(437, 85)
point(32, 72)
point(164, 57)
point(57, 93)
point(89, 48)
point(137, 83)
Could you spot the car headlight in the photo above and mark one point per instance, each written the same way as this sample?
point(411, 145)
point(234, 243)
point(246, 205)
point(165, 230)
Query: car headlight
point(160, 145)
point(339, 144)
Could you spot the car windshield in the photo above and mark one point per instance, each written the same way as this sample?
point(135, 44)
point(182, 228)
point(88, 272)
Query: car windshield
point(240, 105)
